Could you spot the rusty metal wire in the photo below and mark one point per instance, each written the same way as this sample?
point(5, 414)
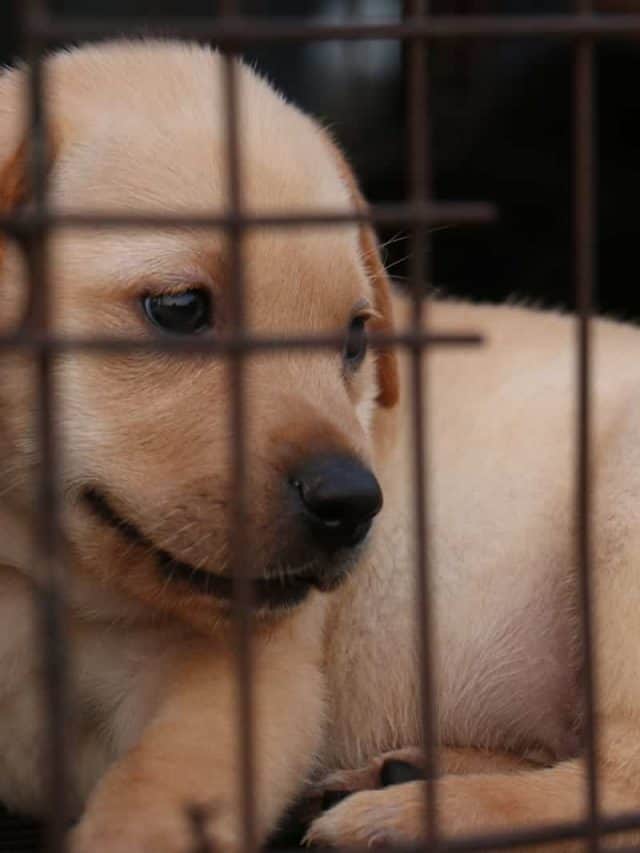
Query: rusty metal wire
point(231, 31)
point(584, 216)
point(239, 414)
point(460, 213)
point(226, 344)
point(51, 598)
point(242, 31)
point(419, 192)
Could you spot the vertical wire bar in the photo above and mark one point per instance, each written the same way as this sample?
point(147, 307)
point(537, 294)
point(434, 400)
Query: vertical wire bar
point(52, 595)
point(585, 265)
point(419, 192)
point(239, 528)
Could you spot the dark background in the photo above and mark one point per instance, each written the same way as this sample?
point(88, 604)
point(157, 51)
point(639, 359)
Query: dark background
point(502, 132)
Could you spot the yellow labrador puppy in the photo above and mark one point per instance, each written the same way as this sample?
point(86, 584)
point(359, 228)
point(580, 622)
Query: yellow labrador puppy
point(146, 489)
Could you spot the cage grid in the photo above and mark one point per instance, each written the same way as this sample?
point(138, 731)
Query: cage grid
point(232, 32)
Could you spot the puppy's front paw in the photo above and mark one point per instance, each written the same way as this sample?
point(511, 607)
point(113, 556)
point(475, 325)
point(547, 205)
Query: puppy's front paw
point(393, 815)
point(389, 768)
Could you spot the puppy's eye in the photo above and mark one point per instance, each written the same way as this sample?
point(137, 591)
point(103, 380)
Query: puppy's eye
point(355, 347)
point(186, 313)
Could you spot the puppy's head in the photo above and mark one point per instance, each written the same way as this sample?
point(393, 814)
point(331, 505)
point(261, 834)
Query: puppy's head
point(146, 439)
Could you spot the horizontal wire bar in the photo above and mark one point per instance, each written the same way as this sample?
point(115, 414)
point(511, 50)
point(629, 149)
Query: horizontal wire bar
point(26, 340)
point(244, 30)
point(631, 848)
point(623, 822)
point(441, 213)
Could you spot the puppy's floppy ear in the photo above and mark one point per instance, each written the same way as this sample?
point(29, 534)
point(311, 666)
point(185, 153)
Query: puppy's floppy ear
point(13, 179)
point(14, 148)
point(387, 362)
point(15, 190)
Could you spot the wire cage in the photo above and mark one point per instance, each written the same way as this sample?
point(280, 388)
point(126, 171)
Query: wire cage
point(232, 32)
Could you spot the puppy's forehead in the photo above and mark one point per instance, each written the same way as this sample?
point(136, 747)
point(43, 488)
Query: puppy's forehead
point(145, 124)
point(137, 166)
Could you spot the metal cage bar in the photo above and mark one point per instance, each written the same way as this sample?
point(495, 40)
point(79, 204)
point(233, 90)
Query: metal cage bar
point(441, 213)
point(51, 597)
point(228, 343)
point(243, 31)
point(239, 413)
point(584, 216)
point(419, 191)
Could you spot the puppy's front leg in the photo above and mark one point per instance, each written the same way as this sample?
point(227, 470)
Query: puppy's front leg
point(189, 754)
point(471, 805)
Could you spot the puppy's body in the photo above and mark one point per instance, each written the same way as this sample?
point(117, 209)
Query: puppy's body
point(502, 473)
point(507, 671)
point(146, 485)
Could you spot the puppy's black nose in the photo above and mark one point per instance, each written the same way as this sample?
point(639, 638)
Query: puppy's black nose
point(339, 497)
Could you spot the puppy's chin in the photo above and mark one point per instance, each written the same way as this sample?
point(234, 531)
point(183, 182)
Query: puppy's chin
point(276, 591)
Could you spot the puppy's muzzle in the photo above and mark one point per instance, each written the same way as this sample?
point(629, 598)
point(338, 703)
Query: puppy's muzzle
point(334, 501)
point(338, 499)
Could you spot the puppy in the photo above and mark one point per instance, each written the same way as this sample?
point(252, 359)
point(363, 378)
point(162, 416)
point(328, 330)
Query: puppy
point(508, 654)
point(146, 492)
point(146, 479)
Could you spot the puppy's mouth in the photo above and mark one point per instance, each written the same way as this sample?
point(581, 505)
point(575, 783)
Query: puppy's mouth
point(284, 590)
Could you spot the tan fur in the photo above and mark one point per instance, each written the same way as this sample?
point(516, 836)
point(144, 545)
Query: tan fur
point(501, 470)
point(141, 127)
